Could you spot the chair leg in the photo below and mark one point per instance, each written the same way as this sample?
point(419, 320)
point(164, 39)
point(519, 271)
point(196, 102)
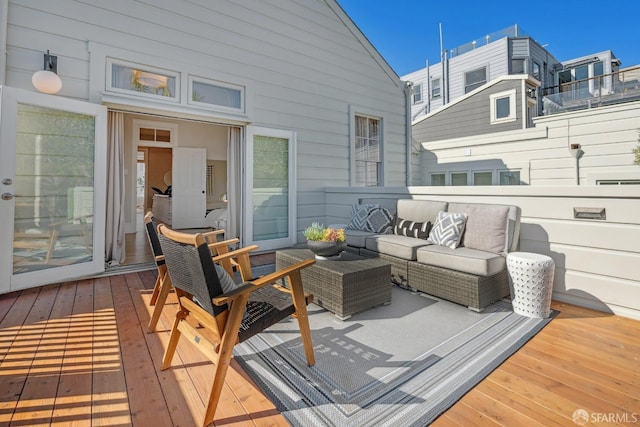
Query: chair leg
point(156, 289)
point(228, 341)
point(299, 302)
point(165, 288)
point(173, 341)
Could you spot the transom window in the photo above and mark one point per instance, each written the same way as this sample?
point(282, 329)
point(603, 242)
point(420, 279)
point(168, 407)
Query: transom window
point(474, 79)
point(142, 80)
point(213, 93)
point(417, 94)
point(154, 134)
point(368, 151)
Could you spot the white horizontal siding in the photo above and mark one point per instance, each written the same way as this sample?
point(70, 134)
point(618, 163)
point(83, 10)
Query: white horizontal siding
point(494, 56)
point(607, 136)
point(303, 62)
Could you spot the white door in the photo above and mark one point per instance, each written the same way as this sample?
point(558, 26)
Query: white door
point(53, 183)
point(189, 187)
point(270, 219)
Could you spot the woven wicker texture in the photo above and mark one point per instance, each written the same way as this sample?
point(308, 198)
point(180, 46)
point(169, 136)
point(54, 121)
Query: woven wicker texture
point(344, 287)
point(192, 270)
point(399, 272)
point(476, 292)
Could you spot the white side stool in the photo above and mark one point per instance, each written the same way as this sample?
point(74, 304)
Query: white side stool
point(532, 283)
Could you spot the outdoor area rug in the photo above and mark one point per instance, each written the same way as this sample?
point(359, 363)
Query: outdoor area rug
point(401, 364)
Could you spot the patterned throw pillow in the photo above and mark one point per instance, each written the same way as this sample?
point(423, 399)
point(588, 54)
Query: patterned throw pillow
point(359, 215)
point(447, 231)
point(404, 227)
point(379, 221)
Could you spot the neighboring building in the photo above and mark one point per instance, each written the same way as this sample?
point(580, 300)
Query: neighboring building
point(507, 52)
point(252, 107)
point(489, 124)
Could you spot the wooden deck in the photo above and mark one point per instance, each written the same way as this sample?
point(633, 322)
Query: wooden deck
point(78, 353)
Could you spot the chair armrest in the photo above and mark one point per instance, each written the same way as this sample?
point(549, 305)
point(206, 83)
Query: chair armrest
point(212, 234)
point(235, 253)
point(262, 281)
point(223, 243)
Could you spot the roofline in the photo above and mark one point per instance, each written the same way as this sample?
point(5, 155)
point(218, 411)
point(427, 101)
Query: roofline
point(357, 32)
point(493, 82)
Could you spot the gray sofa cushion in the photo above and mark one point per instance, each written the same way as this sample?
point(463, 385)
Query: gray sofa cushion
point(420, 210)
point(486, 229)
point(472, 261)
point(512, 227)
point(357, 238)
point(399, 246)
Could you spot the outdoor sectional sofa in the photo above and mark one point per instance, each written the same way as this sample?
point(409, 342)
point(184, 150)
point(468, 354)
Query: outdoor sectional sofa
point(473, 274)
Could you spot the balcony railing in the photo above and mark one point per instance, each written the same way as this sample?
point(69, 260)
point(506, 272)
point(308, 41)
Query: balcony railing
point(614, 88)
point(512, 31)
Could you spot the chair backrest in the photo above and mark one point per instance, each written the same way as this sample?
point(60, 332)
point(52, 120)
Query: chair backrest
point(190, 267)
point(151, 225)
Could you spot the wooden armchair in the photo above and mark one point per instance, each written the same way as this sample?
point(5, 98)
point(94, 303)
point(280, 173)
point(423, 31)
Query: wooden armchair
point(225, 319)
point(229, 260)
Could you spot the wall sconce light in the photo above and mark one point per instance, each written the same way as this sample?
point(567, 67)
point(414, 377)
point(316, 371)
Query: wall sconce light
point(46, 80)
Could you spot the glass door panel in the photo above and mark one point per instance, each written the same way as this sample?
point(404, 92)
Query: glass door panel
point(270, 196)
point(54, 177)
point(52, 161)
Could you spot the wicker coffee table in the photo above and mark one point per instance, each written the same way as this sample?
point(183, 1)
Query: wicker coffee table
point(345, 286)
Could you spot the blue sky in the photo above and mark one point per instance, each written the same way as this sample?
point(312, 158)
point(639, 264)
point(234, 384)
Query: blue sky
point(406, 32)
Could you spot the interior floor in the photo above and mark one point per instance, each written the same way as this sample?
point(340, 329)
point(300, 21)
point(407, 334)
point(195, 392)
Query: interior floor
point(137, 249)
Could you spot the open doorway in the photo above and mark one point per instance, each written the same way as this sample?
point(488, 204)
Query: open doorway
point(151, 144)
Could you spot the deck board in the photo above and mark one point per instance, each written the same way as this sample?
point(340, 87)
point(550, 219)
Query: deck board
point(79, 353)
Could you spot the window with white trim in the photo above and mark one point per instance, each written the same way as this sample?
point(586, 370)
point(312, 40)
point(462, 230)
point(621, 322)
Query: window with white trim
point(417, 94)
point(503, 107)
point(142, 80)
point(214, 94)
point(368, 150)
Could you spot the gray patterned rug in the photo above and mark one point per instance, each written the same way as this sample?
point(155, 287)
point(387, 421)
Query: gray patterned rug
point(398, 365)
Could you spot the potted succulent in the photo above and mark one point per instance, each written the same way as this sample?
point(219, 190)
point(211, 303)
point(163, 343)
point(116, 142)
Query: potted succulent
point(325, 241)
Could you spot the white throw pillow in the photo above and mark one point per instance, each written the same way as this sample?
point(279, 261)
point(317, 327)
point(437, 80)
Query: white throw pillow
point(448, 229)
